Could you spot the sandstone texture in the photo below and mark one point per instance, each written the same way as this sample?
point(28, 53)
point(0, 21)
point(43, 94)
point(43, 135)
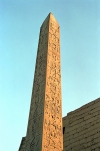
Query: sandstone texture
point(81, 128)
point(44, 131)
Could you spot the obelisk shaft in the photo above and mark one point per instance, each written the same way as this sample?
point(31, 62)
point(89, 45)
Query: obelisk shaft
point(44, 132)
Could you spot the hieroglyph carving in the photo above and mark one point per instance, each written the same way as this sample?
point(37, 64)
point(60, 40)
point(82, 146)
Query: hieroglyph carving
point(35, 124)
point(44, 131)
point(52, 133)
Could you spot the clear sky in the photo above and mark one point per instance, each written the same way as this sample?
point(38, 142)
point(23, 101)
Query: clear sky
point(20, 21)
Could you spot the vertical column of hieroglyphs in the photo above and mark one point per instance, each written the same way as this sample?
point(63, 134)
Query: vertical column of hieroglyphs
point(52, 128)
point(35, 123)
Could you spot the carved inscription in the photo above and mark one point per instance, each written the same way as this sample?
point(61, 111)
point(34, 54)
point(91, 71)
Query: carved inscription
point(52, 110)
point(44, 132)
point(35, 124)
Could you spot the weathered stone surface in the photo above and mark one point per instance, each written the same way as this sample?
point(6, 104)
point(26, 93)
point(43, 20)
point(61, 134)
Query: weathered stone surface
point(44, 132)
point(82, 128)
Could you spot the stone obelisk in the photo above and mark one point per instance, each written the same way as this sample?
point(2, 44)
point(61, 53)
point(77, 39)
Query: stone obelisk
point(44, 132)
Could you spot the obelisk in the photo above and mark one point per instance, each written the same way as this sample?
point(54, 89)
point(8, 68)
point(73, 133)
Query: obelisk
point(44, 132)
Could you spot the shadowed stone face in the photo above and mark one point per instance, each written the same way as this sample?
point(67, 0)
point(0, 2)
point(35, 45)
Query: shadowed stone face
point(44, 132)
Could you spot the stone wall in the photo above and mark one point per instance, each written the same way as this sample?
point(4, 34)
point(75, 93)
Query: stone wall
point(81, 128)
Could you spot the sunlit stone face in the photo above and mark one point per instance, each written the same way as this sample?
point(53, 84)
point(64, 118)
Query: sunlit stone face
point(44, 132)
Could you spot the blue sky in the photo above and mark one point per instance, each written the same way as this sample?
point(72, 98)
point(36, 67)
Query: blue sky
point(20, 21)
